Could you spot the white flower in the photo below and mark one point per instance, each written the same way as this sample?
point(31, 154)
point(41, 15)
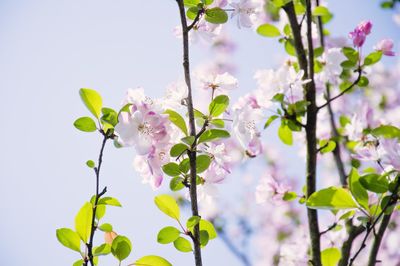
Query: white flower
point(332, 58)
point(219, 82)
point(244, 10)
point(175, 95)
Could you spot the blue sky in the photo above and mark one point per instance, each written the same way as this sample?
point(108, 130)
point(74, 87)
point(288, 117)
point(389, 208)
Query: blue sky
point(48, 50)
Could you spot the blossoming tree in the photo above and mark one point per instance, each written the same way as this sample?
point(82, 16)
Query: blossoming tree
point(329, 97)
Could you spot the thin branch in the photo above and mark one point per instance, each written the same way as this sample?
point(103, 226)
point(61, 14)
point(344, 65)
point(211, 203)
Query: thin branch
point(328, 101)
point(393, 199)
point(96, 200)
point(354, 232)
point(196, 19)
point(192, 126)
point(378, 239)
point(238, 253)
point(328, 229)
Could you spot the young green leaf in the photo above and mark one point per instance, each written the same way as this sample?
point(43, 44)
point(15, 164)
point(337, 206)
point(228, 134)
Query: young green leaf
point(358, 191)
point(121, 247)
point(330, 256)
point(100, 211)
point(216, 15)
point(372, 58)
point(177, 120)
point(103, 249)
point(218, 105)
point(167, 235)
point(213, 134)
point(218, 123)
point(387, 131)
point(92, 100)
point(204, 238)
point(206, 226)
point(331, 198)
point(289, 196)
point(375, 183)
point(202, 163)
point(85, 124)
point(78, 263)
point(83, 221)
point(190, 3)
point(270, 120)
point(109, 201)
point(168, 205)
point(327, 145)
point(268, 30)
point(285, 134)
point(109, 116)
point(106, 227)
point(189, 140)
point(152, 260)
point(171, 169)
point(192, 221)
point(184, 166)
point(183, 244)
point(90, 164)
point(320, 11)
point(178, 149)
point(69, 239)
point(176, 183)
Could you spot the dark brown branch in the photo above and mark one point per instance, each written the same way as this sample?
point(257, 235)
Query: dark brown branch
point(96, 200)
point(310, 91)
point(328, 101)
point(192, 127)
point(353, 233)
point(328, 229)
point(378, 239)
point(370, 228)
point(196, 19)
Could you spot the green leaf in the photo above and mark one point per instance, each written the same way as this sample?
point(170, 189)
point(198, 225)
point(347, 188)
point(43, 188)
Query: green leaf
point(375, 183)
point(285, 134)
point(330, 256)
point(202, 163)
point(321, 11)
point(192, 221)
point(216, 15)
point(270, 120)
point(152, 260)
point(90, 164)
point(168, 205)
point(189, 140)
point(387, 131)
point(209, 227)
point(177, 120)
point(289, 196)
point(327, 145)
point(106, 227)
point(351, 54)
point(372, 58)
point(289, 47)
point(83, 221)
point(218, 105)
point(213, 134)
point(167, 235)
point(280, 3)
point(191, 13)
point(184, 166)
point(358, 191)
point(121, 247)
point(204, 238)
point(331, 198)
point(218, 123)
point(92, 100)
point(109, 201)
point(347, 215)
point(363, 82)
point(207, 2)
point(85, 124)
point(171, 169)
point(178, 149)
point(385, 204)
point(109, 116)
point(103, 249)
point(348, 64)
point(268, 30)
point(78, 263)
point(100, 211)
point(176, 183)
point(182, 245)
point(69, 239)
point(190, 3)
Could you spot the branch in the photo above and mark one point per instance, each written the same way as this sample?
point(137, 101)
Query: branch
point(240, 255)
point(196, 19)
point(354, 232)
point(343, 91)
point(370, 228)
point(96, 200)
point(328, 229)
point(192, 126)
point(378, 240)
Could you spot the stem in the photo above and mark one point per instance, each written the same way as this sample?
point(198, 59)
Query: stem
point(240, 255)
point(378, 240)
point(308, 68)
point(354, 232)
point(96, 199)
point(192, 126)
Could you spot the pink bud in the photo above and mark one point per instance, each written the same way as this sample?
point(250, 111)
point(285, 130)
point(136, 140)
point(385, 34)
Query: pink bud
point(365, 26)
point(385, 46)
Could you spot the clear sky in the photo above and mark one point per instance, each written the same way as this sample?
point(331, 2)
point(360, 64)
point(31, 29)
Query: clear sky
point(48, 50)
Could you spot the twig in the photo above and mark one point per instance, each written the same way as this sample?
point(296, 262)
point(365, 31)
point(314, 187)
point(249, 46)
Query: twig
point(192, 126)
point(328, 229)
point(96, 200)
point(196, 19)
point(240, 255)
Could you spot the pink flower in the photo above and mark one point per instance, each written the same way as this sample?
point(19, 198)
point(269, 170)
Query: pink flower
point(359, 34)
point(269, 189)
point(385, 46)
